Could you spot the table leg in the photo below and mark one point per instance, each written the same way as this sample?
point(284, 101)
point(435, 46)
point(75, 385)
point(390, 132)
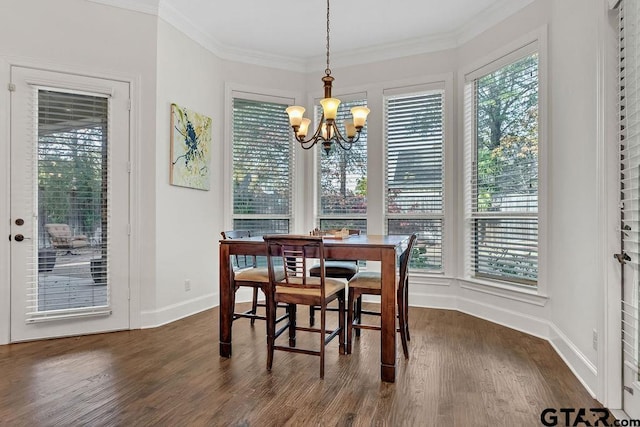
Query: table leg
point(226, 302)
point(388, 316)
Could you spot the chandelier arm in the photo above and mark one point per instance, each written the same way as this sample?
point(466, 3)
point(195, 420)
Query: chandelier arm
point(339, 137)
point(315, 138)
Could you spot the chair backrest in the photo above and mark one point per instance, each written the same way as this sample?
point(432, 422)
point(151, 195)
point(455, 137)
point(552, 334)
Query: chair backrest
point(59, 231)
point(240, 261)
point(405, 260)
point(298, 253)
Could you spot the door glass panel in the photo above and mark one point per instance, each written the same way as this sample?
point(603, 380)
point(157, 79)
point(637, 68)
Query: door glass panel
point(72, 202)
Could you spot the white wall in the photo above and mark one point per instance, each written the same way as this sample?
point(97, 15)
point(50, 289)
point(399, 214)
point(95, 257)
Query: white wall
point(187, 220)
point(83, 37)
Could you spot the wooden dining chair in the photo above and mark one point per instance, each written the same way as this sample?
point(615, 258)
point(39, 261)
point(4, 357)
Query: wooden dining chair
point(296, 252)
point(246, 273)
point(370, 283)
point(334, 268)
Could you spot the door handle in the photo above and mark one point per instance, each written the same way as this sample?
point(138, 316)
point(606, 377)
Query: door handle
point(20, 238)
point(622, 258)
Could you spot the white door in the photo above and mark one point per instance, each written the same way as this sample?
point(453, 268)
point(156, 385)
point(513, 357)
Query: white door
point(629, 14)
point(69, 204)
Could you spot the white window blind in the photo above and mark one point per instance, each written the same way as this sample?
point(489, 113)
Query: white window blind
point(504, 177)
point(73, 193)
point(343, 178)
point(262, 166)
point(629, 27)
point(414, 137)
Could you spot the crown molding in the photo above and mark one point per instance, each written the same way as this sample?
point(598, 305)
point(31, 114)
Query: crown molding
point(182, 23)
point(488, 18)
point(150, 7)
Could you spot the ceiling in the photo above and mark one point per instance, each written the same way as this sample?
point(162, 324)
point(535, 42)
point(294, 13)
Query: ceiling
point(292, 33)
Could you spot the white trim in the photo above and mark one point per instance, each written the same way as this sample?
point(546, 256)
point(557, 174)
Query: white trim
point(512, 292)
point(489, 18)
point(180, 310)
point(534, 41)
point(135, 181)
point(258, 94)
point(5, 192)
point(609, 389)
point(509, 51)
point(583, 369)
point(480, 23)
point(150, 7)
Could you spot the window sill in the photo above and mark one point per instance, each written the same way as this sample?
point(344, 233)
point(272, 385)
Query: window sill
point(504, 290)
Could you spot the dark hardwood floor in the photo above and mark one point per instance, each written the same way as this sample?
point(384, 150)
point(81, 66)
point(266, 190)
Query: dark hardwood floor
point(463, 371)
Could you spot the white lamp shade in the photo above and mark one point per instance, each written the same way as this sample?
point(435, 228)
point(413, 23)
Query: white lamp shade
point(330, 107)
point(349, 128)
point(359, 116)
point(295, 113)
point(304, 128)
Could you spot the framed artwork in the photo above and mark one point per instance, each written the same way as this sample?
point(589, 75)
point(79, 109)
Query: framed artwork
point(190, 148)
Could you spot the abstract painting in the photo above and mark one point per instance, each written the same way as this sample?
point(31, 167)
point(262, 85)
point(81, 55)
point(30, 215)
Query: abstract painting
point(190, 148)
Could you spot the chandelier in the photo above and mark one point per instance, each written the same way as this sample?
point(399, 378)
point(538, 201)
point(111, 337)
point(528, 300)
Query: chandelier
point(327, 132)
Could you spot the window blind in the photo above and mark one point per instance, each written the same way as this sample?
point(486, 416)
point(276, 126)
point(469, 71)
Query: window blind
point(262, 166)
point(504, 175)
point(343, 178)
point(414, 136)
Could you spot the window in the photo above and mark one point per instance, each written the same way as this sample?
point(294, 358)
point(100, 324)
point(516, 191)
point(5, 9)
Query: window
point(503, 208)
point(262, 166)
point(414, 173)
point(343, 179)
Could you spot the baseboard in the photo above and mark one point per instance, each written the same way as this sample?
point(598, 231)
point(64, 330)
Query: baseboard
point(580, 365)
point(173, 312)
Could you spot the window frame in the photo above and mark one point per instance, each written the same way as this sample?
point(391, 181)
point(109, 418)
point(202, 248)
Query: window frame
point(447, 189)
point(535, 41)
point(260, 95)
point(318, 153)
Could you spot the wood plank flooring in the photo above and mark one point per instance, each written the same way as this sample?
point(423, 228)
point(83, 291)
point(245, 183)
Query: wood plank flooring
point(462, 371)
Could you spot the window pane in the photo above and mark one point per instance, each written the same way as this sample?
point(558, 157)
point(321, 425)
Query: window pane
point(343, 173)
point(262, 160)
point(507, 138)
point(427, 252)
point(340, 223)
point(507, 249)
point(73, 202)
point(260, 227)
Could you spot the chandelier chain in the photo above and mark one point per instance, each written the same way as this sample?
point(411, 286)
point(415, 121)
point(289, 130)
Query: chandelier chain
point(328, 70)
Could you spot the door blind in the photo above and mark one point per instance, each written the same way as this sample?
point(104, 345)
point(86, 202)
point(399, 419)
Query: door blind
point(262, 166)
point(629, 21)
point(415, 172)
point(71, 179)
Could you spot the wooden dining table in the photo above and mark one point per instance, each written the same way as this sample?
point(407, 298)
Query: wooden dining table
point(369, 247)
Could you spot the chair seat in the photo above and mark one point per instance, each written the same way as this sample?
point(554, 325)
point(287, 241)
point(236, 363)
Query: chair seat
point(333, 268)
point(258, 274)
point(332, 286)
point(366, 280)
